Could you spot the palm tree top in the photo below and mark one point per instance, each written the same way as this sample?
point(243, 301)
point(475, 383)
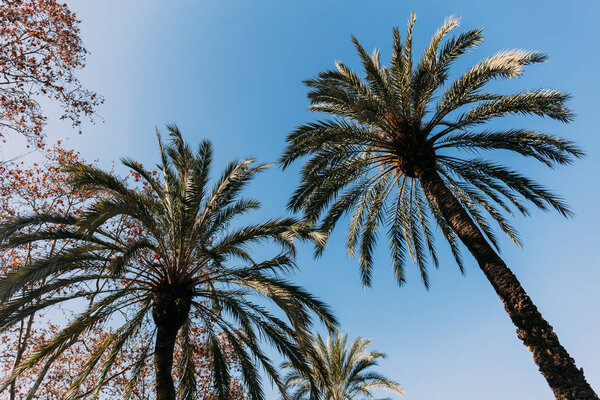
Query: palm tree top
point(400, 122)
point(186, 264)
point(343, 371)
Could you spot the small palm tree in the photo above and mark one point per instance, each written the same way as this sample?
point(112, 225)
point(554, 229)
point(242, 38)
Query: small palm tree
point(186, 266)
point(403, 149)
point(342, 372)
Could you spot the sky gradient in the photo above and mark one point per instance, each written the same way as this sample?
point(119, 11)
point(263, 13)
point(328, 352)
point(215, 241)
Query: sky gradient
point(231, 71)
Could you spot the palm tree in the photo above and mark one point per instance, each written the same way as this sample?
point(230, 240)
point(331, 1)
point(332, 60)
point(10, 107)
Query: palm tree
point(402, 148)
point(342, 372)
point(187, 266)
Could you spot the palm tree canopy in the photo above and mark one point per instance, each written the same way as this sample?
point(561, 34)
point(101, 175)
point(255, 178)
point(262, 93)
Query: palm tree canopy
point(345, 371)
point(397, 122)
point(188, 265)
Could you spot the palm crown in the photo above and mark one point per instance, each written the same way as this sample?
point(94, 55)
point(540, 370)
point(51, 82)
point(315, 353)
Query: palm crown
point(404, 119)
point(186, 266)
point(403, 148)
point(345, 371)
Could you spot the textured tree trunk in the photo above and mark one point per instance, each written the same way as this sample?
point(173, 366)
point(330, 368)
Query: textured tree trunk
point(170, 310)
point(553, 360)
point(163, 361)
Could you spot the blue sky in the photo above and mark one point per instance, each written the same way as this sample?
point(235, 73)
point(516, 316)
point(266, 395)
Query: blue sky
point(231, 71)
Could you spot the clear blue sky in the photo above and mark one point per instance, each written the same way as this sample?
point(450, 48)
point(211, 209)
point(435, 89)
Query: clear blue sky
point(231, 71)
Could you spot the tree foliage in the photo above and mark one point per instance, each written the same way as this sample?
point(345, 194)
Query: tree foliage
point(43, 187)
point(185, 268)
point(343, 371)
point(40, 52)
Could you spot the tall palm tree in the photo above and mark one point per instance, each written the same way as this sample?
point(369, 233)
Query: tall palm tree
point(403, 147)
point(188, 265)
point(342, 372)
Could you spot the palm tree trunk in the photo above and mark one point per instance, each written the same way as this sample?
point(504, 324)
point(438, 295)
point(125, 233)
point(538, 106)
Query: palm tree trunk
point(170, 311)
point(164, 347)
point(553, 360)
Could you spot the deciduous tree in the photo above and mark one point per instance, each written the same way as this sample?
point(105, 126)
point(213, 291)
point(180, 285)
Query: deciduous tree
point(40, 53)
